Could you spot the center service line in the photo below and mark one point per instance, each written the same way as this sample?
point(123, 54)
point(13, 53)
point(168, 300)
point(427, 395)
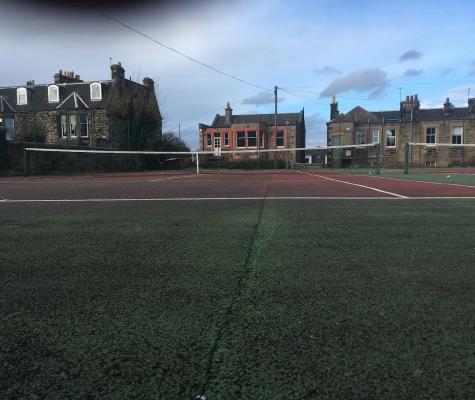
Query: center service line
point(356, 184)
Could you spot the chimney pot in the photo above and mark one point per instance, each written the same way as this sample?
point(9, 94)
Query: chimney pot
point(407, 98)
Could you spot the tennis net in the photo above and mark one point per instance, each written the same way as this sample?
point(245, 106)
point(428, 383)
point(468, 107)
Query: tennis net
point(54, 160)
point(439, 155)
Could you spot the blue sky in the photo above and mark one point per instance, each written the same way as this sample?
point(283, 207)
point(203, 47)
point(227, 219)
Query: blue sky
point(367, 53)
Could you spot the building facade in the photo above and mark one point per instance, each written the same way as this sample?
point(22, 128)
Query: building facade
point(70, 111)
point(410, 124)
point(231, 132)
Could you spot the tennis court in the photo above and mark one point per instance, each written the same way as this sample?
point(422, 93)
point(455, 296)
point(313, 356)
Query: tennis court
point(236, 285)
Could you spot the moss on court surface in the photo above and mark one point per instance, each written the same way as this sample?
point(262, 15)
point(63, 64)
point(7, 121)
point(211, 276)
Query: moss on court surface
point(238, 300)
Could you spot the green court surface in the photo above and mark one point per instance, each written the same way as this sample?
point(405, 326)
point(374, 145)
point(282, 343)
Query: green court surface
point(445, 176)
point(257, 299)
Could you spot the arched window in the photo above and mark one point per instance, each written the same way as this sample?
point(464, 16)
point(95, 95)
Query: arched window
point(53, 94)
point(96, 91)
point(21, 97)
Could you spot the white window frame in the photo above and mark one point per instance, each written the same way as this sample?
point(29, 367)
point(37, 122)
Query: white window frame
point(9, 130)
point(262, 136)
point(435, 136)
point(71, 118)
point(91, 87)
point(226, 139)
point(21, 96)
point(283, 139)
point(52, 99)
point(237, 139)
point(453, 134)
point(387, 136)
point(247, 139)
point(360, 134)
point(81, 124)
point(209, 139)
point(377, 135)
point(64, 126)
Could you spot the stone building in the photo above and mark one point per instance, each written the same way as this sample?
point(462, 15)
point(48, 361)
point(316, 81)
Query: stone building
point(393, 129)
point(70, 111)
point(230, 132)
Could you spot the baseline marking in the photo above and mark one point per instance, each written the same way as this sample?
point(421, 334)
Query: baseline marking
point(357, 184)
point(183, 199)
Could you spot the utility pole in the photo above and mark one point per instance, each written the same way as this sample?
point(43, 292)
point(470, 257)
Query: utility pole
point(179, 131)
point(400, 98)
point(275, 126)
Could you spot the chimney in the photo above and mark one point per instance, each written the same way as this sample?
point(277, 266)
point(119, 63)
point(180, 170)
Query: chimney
point(410, 109)
point(471, 106)
point(117, 72)
point(66, 77)
point(149, 83)
point(334, 109)
point(448, 107)
point(30, 83)
point(228, 114)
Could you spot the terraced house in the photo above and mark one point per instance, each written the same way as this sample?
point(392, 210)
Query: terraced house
point(70, 111)
point(441, 134)
point(255, 132)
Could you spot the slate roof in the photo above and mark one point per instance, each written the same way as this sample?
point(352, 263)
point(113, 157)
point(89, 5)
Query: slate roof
point(38, 96)
point(267, 119)
point(432, 114)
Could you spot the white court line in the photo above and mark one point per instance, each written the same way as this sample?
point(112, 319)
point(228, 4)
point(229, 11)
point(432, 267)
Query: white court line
point(183, 199)
point(76, 181)
point(173, 177)
point(356, 184)
point(409, 180)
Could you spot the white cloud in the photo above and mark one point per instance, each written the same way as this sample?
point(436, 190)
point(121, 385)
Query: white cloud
point(370, 80)
point(411, 73)
point(261, 98)
point(410, 55)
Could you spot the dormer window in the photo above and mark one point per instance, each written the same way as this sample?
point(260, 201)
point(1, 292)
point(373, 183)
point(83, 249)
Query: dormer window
point(96, 91)
point(53, 94)
point(21, 97)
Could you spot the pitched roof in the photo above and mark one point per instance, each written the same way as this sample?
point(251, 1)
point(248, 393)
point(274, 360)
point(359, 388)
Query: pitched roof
point(267, 119)
point(359, 114)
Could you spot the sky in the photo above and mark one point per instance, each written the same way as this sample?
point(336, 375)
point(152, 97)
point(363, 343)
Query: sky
point(366, 53)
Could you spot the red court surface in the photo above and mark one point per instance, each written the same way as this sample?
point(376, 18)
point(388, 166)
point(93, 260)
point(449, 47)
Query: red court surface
point(223, 185)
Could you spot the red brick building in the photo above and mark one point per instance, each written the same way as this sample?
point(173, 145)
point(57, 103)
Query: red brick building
point(231, 132)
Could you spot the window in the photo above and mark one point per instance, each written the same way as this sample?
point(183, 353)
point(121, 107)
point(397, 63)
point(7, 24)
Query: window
point(241, 139)
point(96, 91)
point(72, 126)
point(391, 138)
point(457, 135)
point(360, 137)
point(9, 128)
point(251, 139)
point(83, 125)
point(53, 94)
point(375, 136)
point(430, 135)
point(280, 139)
point(261, 142)
point(21, 97)
point(226, 138)
point(64, 126)
point(208, 139)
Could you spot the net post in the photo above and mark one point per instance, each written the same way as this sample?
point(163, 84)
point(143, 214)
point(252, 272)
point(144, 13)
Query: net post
point(406, 158)
point(25, 161)
point(378, 159)
point(197, 163)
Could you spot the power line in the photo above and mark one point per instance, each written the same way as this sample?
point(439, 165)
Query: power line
point(181, 53)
